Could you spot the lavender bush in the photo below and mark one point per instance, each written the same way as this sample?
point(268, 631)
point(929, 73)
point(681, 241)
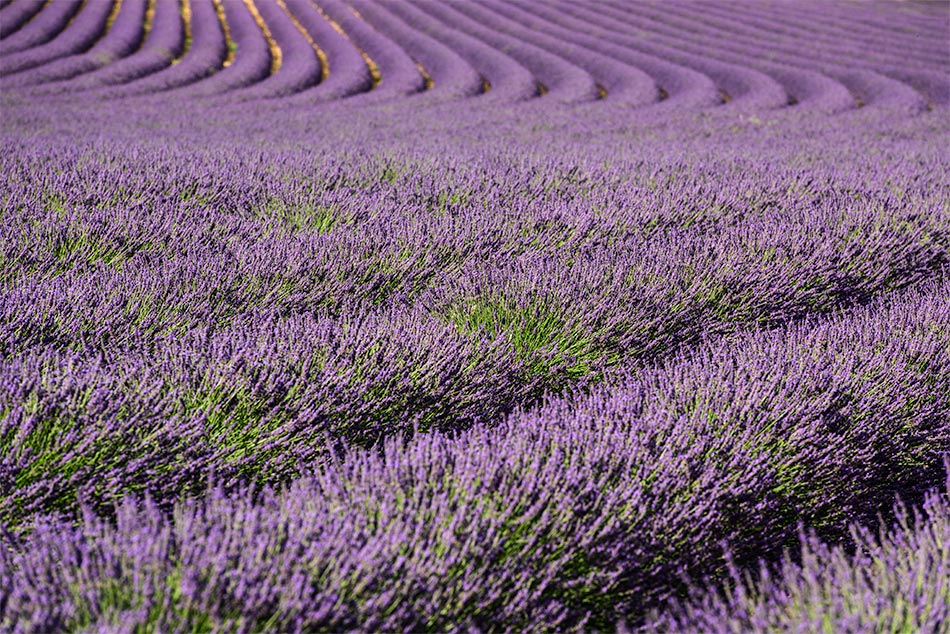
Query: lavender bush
point(334, 315)
point(895, 580)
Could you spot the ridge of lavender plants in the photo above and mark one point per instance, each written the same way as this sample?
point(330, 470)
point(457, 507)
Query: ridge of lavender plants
point(344, 315)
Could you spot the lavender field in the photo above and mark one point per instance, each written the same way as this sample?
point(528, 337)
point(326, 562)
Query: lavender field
point(480, 316)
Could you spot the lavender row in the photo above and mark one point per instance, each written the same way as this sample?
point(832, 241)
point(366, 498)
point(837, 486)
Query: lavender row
point(14, 17)
point(163, 44)
point(347, 72)
point(123, 38)
point(683, 87)
point(877, 72)
point(300, 66)
point(445, 70)
point(924, 19)
point(504, 77)
point(588, 210)
point(565, 81)
point(398, 73)
point(45, 26)
point(81, 33)
point(878, 255)
point(778, 28)
point(806, 87)
point(205, 56)
point(580, 513)
point(898, 578)
point(744, 87)
point(869, 42)
point(928, 78)
point(620, 82)
point(253, 60)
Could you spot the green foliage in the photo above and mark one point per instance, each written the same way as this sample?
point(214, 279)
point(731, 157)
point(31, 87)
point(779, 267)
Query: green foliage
point(239, 423)
point(542, 337)
point(165, 608)
point(300, 217)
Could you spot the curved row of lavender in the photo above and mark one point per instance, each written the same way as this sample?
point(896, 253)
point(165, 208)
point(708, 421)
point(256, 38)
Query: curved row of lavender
point(690, 54)
point(332, 315)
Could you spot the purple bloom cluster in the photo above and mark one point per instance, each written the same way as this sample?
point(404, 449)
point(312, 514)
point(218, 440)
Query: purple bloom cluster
point(897, 579)
point(331, 315)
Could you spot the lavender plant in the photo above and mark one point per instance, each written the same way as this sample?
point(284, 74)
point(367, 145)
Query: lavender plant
point(895, 579)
